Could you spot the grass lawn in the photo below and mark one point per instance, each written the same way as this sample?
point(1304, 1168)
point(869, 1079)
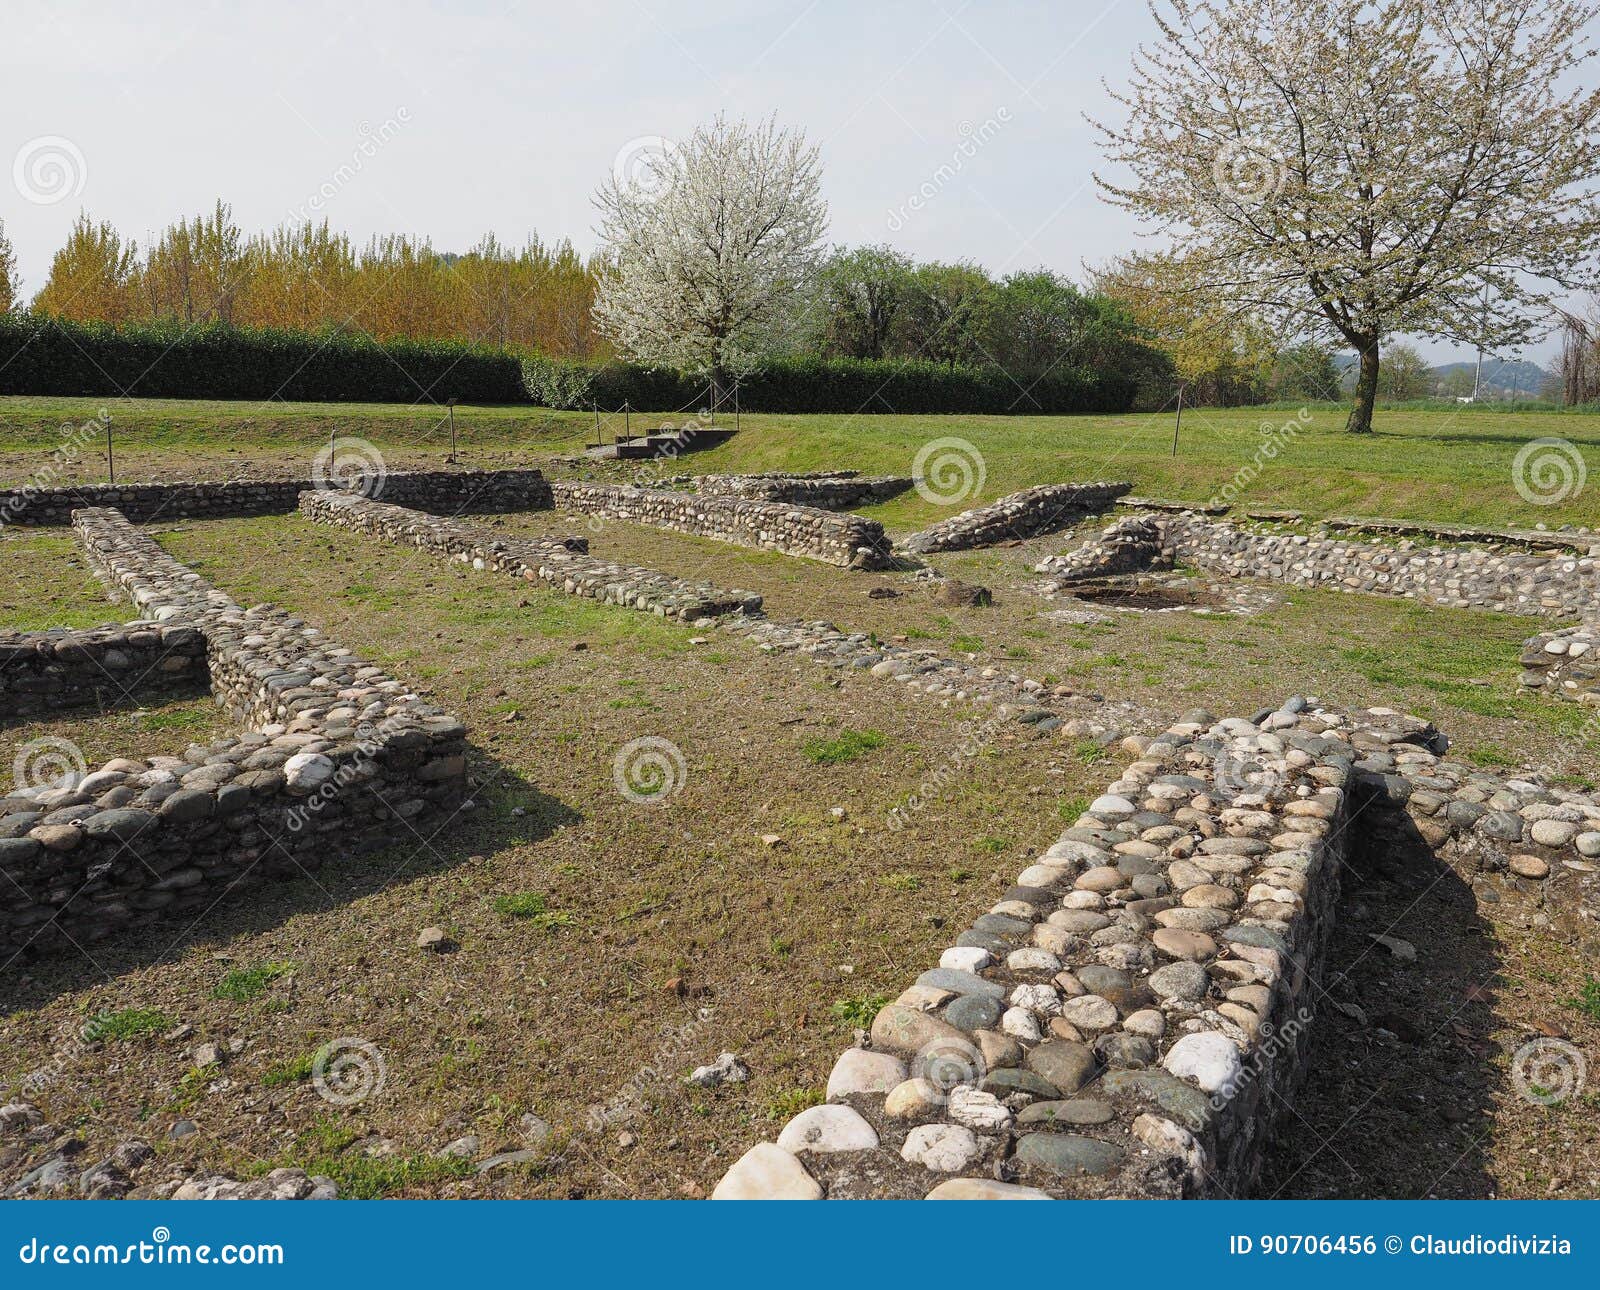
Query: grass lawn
point(1453, 465)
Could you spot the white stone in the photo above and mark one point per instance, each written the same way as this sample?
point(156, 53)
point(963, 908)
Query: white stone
point(984, 1189)
point(1148, 1022)
point(1030, 958)
point(966, 958)
point(1211, 1059)
point(828, 1128)
point(861, 1071)
point(767, 1172)
point(1020, 1023)
point(1090, 1012)
point(978, 1110)
point(944, 1148)
point(1042, 875)
point(1042, 999)
point(307, 770)
point(1111, 804)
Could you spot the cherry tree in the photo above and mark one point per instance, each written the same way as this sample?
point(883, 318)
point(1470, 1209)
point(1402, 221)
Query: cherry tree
point(1365, 168)
point(710, 247)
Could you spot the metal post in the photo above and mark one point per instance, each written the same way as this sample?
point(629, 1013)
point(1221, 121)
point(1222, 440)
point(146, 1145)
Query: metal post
point(1178, 422)
point(111, 456)
point(596, 408)
point(736, 407)
point(627, 420)
point(451, 404)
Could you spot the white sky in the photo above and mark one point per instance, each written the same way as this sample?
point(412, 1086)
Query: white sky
point(505, 116)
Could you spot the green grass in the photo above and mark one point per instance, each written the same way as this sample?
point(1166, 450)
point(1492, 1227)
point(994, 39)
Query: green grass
point(789, 1102)
point(849, 745)
point(244, 984)
point(323, 1150)
point(1588, 1002)
point(859, 1010)
point(531, 907)
point(294, 1071)
point(1449, 464)
point(129, 1023)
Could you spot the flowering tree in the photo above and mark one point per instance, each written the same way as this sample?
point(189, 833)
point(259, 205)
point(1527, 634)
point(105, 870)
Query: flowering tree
point(1361, 168)
point(710, 247)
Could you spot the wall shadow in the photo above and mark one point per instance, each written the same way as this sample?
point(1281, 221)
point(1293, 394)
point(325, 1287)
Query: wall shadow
point(1397, 1091)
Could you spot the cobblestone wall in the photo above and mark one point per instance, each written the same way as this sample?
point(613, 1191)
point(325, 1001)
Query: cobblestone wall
point(825, 492)
point(1044, 508)
point(1130, 1019)
point(450, 491)
point(566, 566)
point(845, 540)
point(1553, 583)
point(98, 667)
point(337, 758)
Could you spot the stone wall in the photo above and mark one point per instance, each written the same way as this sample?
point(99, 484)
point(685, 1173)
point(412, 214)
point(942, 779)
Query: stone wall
point(450, 491)
point(563, 565)
point(1131, 1018)
point(337, 758)
point(1566, 663)
point(828, 492)
point(1131, 545)
point(99, 667)
point(845, 540)
point(1045, 508)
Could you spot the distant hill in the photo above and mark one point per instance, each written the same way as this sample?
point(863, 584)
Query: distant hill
point(1500, 379)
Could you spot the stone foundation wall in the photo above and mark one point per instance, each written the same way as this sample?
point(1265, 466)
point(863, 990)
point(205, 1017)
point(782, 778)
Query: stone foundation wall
point(100, 667)
point(1045, 508)
point(451, 491)
point(825, 492)
point(1566, 663)
point(565, 566)
point(848, 541)
point(1514, 582)
point(339, 758)
point(1130, 1018)
point(1128, 546)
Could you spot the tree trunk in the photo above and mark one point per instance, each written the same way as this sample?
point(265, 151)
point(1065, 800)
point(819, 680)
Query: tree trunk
point(1360, 421)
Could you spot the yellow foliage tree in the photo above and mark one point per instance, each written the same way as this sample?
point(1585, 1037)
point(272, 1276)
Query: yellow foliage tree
point(91, 277)
point(10, 283)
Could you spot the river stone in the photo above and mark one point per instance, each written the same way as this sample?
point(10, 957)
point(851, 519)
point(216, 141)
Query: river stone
point(1066, 1065)
point(122, 823)
point(943, 1148)
point(908, 1030)
point(767, 1172)
point(1082, 1110)
point(861, 1071)
point(1068, 1155)
point(974, 1012)
point(961, 983)
point(827, 1129)
point(1182, 1101)
point(984, 1189)
point(1180, 980)
point(1209, 1058)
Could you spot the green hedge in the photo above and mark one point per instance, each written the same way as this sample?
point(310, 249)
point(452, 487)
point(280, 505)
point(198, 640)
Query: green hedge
point(41, 355)
point(834, 385)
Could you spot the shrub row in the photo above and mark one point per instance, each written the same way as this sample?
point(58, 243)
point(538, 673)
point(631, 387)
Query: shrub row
point(45, 356)
point(833, 385)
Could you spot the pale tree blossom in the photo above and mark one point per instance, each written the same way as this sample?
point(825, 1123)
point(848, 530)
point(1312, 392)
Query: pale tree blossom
point(1366, 168)
point(710, 246)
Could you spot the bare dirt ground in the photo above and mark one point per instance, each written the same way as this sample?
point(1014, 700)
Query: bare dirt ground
point(604, 946)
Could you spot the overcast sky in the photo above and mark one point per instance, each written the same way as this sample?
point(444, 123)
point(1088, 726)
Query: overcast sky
point(453, 120)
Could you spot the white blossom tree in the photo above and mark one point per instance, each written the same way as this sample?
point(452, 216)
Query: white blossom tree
point(1366, 168)
point(710, 247)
